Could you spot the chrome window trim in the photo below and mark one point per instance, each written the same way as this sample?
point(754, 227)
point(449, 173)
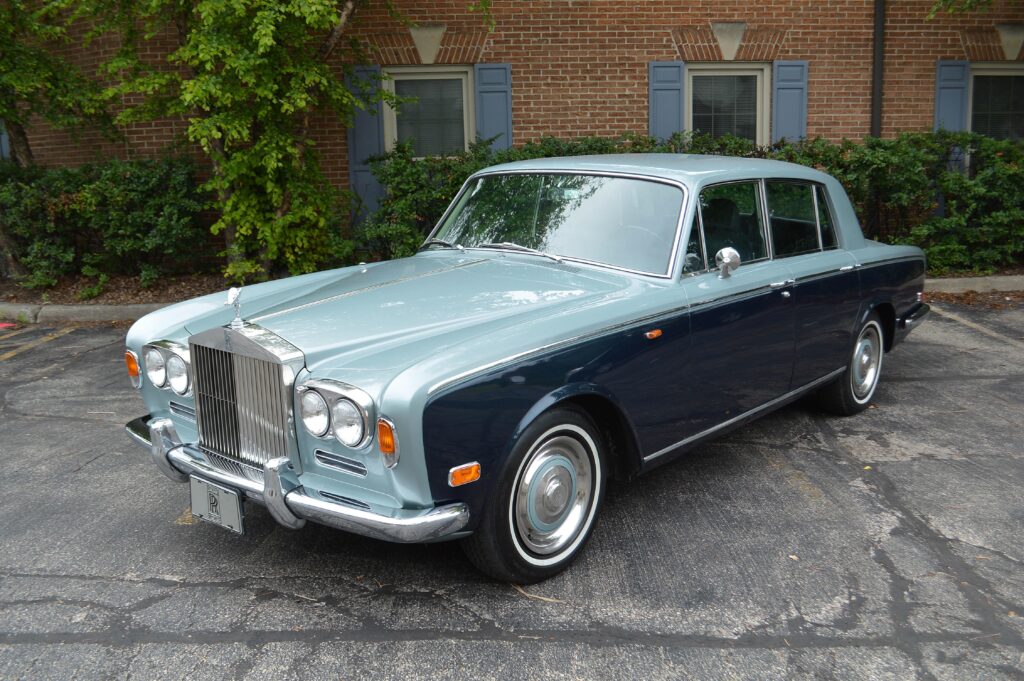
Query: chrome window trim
point(764, 407)
point(673, 256)
point(332, 391)
point(761, 207)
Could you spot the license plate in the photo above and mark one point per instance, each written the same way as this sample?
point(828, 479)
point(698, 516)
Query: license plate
point(216, 504)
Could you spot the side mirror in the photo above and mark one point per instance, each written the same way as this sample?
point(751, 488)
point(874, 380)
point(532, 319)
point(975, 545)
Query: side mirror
point(727, 260)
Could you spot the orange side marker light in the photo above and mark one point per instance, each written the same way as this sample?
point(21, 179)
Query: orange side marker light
point(464, 474)
point(652, 334)
point(132, 362)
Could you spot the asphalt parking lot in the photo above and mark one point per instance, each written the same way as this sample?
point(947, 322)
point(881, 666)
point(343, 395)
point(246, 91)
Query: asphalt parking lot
point(887, 545)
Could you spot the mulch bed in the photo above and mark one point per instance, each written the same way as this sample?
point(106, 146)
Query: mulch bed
point(117, 291)
point(994, 300)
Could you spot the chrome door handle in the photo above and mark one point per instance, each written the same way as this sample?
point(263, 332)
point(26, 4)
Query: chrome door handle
point(780, 284)
point(785, 294)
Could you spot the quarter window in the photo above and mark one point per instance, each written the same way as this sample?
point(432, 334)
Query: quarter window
point(437, 119)
point(731, 217)
point(828, 230)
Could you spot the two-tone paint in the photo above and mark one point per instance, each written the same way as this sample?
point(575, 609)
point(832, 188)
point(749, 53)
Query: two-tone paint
point(461, 350)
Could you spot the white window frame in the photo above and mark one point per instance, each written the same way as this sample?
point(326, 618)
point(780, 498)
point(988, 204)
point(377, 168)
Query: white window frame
point(461, 73)
point(988, 69)
point(762, 71)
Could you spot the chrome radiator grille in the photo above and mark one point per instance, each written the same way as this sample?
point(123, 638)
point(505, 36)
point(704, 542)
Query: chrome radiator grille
point(240, 406)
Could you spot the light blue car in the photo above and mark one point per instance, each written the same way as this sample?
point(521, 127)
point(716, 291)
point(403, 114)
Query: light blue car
point(569, 320)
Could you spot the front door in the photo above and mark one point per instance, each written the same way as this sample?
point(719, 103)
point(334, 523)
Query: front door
point(740, 353)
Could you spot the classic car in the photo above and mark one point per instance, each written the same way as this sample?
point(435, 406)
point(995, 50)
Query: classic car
point(568, 320)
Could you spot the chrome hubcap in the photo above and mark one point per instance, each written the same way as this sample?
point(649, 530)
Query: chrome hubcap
point(553, 494)
point(866, 359)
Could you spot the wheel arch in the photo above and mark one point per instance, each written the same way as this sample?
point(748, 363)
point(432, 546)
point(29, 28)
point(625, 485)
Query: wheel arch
point(606, 412)
point(887, 314)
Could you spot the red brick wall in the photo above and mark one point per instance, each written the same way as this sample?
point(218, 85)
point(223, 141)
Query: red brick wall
point(580, 68)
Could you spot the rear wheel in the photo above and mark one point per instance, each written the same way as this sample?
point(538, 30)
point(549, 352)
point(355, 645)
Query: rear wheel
point(852, 391)
point(547, 500)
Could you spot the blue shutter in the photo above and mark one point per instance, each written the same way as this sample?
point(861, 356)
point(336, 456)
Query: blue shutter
point(665, 103)
point(5, 145)
point(951, 81)
point(494, 103)
point(789, 100)
point(365, 139)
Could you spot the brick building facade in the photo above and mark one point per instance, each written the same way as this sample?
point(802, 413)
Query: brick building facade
point(595, 67)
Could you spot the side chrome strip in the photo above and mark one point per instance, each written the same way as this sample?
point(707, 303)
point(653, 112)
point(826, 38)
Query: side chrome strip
point(556, 345)
point(756, 410)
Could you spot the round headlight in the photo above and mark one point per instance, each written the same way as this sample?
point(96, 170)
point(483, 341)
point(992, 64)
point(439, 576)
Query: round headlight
point(156, 370)
point(315, 416)
point(177, 374)
point(348, 423)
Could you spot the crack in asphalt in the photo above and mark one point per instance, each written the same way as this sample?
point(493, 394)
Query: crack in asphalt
point(979, 593)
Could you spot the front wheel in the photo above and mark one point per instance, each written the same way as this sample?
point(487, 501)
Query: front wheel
point(852, 391)
point(546, 503)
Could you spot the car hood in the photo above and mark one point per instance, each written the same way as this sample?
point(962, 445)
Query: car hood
point(392, 314)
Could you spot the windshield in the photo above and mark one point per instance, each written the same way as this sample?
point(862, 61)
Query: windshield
point(617, 221)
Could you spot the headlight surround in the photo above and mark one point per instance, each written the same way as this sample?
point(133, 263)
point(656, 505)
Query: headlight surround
point(315, 415)
point(347, 421)
point(156, 367)
point(177, 375)
point(168, 366)
point(351, 411)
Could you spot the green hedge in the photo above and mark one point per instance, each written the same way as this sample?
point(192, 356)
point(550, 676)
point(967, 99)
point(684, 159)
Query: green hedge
point(957, 195)
point(136, 218)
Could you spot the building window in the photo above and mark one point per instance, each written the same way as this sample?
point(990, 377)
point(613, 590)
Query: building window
point(997, 100)
point(729, 99)
point(5, 143)
point(439, 118)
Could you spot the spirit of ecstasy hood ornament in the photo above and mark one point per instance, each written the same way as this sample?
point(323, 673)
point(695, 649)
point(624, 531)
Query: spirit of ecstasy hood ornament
point(234, 298)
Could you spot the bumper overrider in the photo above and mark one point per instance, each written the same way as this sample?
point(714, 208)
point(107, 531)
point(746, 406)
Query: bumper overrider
point(292, 506)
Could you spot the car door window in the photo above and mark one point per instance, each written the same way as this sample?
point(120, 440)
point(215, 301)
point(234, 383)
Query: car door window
point(828, 230)
point(792, 217)
point(731, 217)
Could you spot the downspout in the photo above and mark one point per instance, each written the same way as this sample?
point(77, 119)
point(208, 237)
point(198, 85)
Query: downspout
point(877, 63)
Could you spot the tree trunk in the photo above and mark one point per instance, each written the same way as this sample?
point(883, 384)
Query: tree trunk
point(21, 152)
point(9, 266)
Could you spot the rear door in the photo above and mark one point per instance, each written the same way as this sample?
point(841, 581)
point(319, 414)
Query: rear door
point(826, 292)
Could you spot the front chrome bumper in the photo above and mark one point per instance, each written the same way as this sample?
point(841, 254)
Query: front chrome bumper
point(293, 507)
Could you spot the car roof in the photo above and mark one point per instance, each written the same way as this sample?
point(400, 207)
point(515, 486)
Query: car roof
point(686, 168)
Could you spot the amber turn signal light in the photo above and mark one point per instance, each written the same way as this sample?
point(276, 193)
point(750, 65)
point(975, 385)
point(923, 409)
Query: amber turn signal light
point(132, 362)
point(385, 437)
point(464, 474)
point(652, 334)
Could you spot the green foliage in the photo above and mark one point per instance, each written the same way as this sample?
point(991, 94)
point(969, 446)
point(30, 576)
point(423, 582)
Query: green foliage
point(251, 77)
point(34, 81)
point(114, 218)
point(957, 195)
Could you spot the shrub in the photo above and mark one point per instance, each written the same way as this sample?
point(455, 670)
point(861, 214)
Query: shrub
point(137, 218)
point(957, 195)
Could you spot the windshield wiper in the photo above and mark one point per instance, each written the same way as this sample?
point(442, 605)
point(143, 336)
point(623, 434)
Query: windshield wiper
point(509, 246)
point(441, 242)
